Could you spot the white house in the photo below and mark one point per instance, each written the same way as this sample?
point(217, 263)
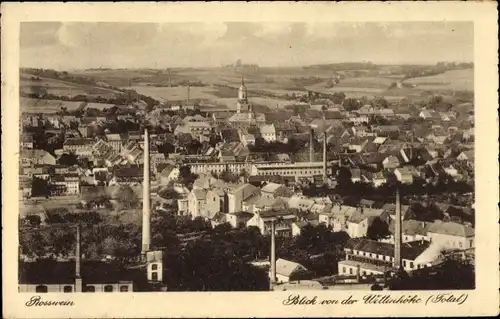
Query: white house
point(362, 218)
point(283, 222)
point(285, 270)
point(451, 235)
point(196, 200)
point(371, 257)
point(268, 132)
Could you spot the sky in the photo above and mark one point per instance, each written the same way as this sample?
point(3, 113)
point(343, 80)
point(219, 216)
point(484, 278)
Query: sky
point(74, 45)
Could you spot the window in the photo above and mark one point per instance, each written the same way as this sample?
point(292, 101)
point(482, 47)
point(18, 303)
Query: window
point(154, 276)
point(68, 289)
point(350, 271)
point(344, 270)
point(411, 265)
point(41, 288)
point(154, 267)
point(89, 289)
point(470, 243)
point(460, 244)
point(404, 263)
point(108, 288)
point(123, 288)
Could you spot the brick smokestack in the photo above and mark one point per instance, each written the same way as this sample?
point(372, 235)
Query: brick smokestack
point(78, 257)
point(146, 201)
point(311, 145)
point(397, 235)
point(324, 157)
point(273, 255)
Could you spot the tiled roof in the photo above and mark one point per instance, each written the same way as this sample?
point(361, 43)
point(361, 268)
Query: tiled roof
point(286, 268)
point(271, 187)
point(362, 213)
point(412, 227)
point(79, 141)
point(409, 250)
point(452, 229)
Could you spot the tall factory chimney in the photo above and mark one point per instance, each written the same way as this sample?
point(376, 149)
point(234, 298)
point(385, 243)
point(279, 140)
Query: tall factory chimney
point(146, 201)
point(78, 258)
point(311, 145)
point(324, 157)
point(273, 255)
point(397, 235)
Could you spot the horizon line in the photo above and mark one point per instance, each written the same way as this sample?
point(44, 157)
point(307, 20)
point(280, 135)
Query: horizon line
point(227, 65)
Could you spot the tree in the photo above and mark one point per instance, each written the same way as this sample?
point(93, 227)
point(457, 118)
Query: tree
point(33, 220)
point(378, 230)
point(352, 104)
point(228, 177)
point(203, 266)
point(68, 159)
point(186, 177)
point(39, 91)
point(39, 187)
point(126, 197)
point(168, 193)
point(452, 274)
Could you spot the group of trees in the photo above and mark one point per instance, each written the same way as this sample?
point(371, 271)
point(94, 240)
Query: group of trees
point(126, 198)
point(203, 266)
point(317, 248)
point(452, 274)
point(121, 97)
point(168, 193)
point(292, 146)
point(40, 187)
point(444, 185)
point(228, 177)
point(186, 177)
point(351, 104)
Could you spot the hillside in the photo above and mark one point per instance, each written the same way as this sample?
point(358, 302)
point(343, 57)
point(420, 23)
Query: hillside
point(30, 83)
point(455, 80)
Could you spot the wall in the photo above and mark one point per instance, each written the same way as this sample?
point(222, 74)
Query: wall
point(213, 204)
point(235, 202)
point(357, 230)
point(158, 271)
point(60, 288)
point(450, 241)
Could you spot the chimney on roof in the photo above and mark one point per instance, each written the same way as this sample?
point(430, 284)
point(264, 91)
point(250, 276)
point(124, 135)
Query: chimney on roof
point(324, 157)
point(397, 235)
point(78, 257)
point(146, 201)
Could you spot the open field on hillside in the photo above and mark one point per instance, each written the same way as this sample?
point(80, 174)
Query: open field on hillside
point(30, 105)
point(174, 93)
point(274, 81)
point(212, 95)
point(62, 88)
point(456, 80)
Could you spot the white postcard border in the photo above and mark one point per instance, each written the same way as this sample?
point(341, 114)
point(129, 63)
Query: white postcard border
point(482, 301)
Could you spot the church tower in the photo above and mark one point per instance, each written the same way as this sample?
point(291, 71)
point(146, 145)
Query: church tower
point(242, 97)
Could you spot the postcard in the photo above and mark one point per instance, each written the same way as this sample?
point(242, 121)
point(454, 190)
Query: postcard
point(258, 159)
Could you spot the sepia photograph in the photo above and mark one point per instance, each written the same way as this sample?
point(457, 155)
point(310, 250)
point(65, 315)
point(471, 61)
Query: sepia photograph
point(246, 156)
point(232, 158)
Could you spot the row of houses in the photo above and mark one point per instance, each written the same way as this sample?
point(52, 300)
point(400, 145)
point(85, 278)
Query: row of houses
point(244, 205)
